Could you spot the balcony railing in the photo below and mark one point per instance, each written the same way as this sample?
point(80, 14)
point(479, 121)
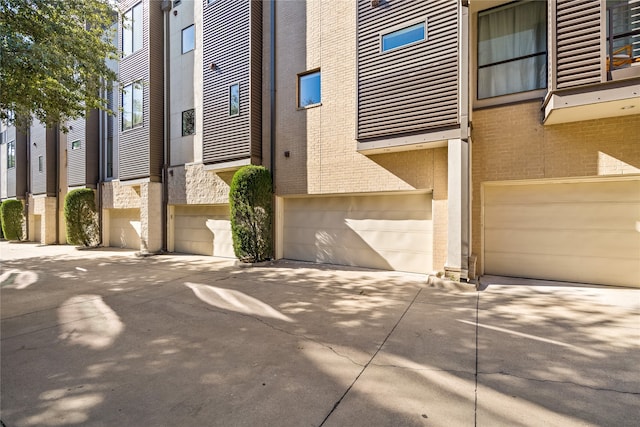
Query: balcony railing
point(623, 35)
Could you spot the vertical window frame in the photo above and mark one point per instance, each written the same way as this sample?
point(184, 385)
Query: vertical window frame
point(136, 87)
point(193, 45)
point(11, 154)
point(132, 37)
point(230, 100)
point(299, 93)
point(185, 115)
point(41, 164)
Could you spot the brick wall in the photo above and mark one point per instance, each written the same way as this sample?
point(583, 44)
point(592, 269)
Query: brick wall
point(510, 143)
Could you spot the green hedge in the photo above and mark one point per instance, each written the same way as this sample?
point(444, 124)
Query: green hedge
point(81, 217)
point(251, 204)
point(12, 217)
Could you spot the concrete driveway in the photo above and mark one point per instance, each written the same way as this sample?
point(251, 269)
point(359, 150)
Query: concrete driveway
point(102, 338)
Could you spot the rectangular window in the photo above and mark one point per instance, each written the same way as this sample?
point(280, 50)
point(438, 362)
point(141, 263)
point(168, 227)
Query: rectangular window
point(11, 154)
point(309, 89)
point(188, 122)
point(132, 30)
point(75, 145)
point(404, 36)
point(109, 157)
point(512, 49)
point(176, 2)
point(40, 164)
point(234, 100)
point(188, 38)
point(132, 106)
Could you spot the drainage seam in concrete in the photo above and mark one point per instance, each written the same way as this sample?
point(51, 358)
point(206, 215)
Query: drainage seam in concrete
point(475, 392)
point(335, 406)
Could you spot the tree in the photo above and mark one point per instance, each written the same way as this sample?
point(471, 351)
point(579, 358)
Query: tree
point(53, 58)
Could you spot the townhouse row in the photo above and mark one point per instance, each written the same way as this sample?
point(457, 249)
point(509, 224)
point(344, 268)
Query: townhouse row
point(471, 137)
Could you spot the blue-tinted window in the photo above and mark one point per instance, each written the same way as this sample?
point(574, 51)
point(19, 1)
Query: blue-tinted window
point(309, 89)
point(404, 36)
point(76, 145)
point(188, 39)
point(11, 154)
point(234, 100)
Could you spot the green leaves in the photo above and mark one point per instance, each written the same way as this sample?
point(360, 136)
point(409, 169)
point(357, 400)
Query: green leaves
point(53, 57)
point(12, 219)
point(81, 217)
point(250, 201)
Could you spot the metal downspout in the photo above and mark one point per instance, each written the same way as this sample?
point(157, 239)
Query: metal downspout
point(166, 7)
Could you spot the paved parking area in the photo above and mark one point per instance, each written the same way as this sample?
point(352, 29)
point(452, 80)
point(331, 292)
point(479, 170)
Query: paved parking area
point(103, 338)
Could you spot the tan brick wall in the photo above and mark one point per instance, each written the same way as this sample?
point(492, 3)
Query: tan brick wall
point(510, 143)
point(321, 140)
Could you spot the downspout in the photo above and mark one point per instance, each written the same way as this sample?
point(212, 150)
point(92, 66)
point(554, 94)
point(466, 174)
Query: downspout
point(272, 117)
point(57, 148)
point(166, 7)
point(27, 131)
point(102, 140)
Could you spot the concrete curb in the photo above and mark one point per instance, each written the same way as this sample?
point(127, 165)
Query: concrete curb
point(434, 281)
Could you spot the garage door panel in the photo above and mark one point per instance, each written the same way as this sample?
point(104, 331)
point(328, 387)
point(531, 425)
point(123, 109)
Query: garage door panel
point(627, 191)
point(203, 230)
point(124, 228)
point(620, 244)
point(583, 231)
point(570, 269)
point(367, 231)
point(611, 216)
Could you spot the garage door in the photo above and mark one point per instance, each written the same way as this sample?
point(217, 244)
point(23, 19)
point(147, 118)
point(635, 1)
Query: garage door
point(124, 228)
point(203, 230)
point(585, 232)
point(386, 232)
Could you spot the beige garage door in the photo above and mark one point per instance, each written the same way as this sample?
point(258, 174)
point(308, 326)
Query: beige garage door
point(124, 228)
point(585, 232)
point(203, 230)
point(387, 232)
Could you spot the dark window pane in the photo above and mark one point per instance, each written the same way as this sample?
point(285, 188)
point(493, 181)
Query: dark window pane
point(188, 122)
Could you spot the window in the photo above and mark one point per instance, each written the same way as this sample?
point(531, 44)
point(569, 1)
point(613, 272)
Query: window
point(132, 30)
point(188, 122)
point(403, 37)
point(11, 154)
point(188, 39)
point(176, 2)
point(40, 164)
point(109, 170)
point(75, 145)
point(309, 89)
point(512, 49)
point(234, 100)
point(132, 106)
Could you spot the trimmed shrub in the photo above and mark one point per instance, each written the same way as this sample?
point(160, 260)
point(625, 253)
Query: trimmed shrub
point(12, 218)
point(81, 217)
point(251, 203)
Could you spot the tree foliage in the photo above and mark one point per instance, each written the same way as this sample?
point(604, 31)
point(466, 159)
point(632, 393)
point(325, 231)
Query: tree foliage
point(12, 219)
point(53, 61)
point(250, 201)
point(81, 217)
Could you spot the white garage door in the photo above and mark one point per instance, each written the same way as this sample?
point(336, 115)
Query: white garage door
point(386, 232)
point(124, 228)
point(585, 232)
point(203, 230)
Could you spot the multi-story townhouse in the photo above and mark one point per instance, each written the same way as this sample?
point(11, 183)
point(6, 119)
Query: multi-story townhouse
point(370, 133)
point(131, 196)
point(556, 139)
